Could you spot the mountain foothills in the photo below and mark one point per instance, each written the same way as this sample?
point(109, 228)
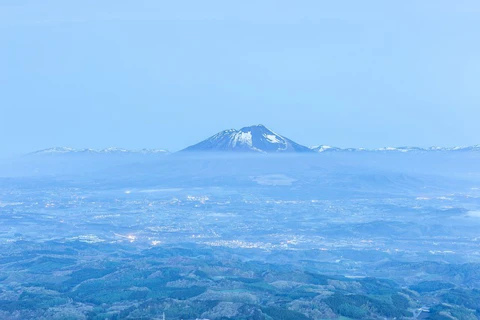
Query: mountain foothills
point(252, 139)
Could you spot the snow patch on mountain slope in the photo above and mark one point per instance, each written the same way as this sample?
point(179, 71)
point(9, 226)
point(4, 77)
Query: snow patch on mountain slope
point(242, 137)
point(272, 138)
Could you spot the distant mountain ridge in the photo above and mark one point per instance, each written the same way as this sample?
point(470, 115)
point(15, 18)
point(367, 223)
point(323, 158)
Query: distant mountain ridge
point(324, 148)
point(251, 139)
point(112, 150)
point(255, 138)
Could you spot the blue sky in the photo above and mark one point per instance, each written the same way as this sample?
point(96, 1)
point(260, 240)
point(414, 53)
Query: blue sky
point(165, 74)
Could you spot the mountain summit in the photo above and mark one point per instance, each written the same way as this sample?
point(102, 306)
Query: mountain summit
point(256, 138)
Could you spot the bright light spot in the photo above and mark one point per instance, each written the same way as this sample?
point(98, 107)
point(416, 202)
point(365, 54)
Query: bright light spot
point(128, 192)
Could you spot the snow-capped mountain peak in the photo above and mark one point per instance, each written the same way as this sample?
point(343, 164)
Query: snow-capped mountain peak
point(256, 138)
point(324, 148)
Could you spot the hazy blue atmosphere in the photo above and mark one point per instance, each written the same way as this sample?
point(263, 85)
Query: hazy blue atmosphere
point(156, 74)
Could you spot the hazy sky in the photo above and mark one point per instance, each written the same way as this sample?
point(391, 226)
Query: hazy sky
point(166, 74)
